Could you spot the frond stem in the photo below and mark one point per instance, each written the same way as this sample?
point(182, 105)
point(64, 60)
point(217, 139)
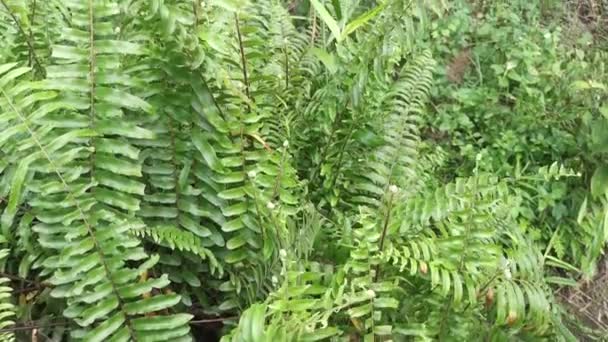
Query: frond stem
point(313, 33)
point(341, 156)
point(32, 18)
point(213, 98)
point(387, 219)
point(175, 171)
point(243, 59)
point(28, 41)
point(92, 61)
point(286, 52)
point(325, 150)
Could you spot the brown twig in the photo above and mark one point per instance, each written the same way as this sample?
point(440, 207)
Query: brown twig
point(17, 278)
point(213, 320)
point(30, 326)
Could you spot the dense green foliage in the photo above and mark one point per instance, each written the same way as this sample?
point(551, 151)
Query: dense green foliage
point(300, 171)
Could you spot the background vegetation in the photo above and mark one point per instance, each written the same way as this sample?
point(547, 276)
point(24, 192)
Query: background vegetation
point(307, 170)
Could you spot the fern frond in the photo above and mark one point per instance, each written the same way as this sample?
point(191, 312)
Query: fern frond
point(395, 162)
point(7, 311)
point(7, 308)
point(88, 232)
point(175, 238)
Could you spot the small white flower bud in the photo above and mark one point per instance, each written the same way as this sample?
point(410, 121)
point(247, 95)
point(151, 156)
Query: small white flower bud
point(274, 280)
point(393, 188)
point(117, 30)
point(508, 274)
point(283, 254)
point(270, 205)
point(251, 174)
point(286, 143)
point(370, 293)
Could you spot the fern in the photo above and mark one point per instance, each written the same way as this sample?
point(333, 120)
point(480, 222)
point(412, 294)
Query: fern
point(300, 171)
point(90, 228)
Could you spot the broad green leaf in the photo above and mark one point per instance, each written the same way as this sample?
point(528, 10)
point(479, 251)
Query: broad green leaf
point(599, 181)
point(321, 334)
point(69, 52)
point(164, 335)
point(252, 322)
point(116, 165)
point(327, 59)
point(16, 192)
point(156, 303)
point(386, 302)
point(118, 47)
point(327, 18)
point(122, 98)
point(236, 242)
point(361, 20)
point(105, 329)
point(138, 289)
point(98, 311)
point(231, 194)
point(122, 128)
point(120, 183)
point(12, 75)
point(582, 211)
point(233, 225)
point(208, 152)
point(6, 67)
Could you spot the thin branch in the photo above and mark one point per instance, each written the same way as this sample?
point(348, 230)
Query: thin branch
point(17, 278)
point(213, 320)
point(26, 327)
point(27, 39)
